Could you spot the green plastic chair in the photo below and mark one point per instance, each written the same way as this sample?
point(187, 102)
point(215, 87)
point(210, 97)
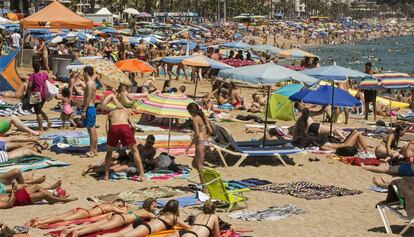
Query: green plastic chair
point(217, 189)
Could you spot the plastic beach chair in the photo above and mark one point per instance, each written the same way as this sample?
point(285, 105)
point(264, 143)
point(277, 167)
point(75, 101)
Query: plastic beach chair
point(225, 144)
point(395, 208)
point(217, 189)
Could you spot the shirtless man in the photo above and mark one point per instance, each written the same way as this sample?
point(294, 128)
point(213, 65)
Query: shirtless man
point(142, 51)
point(236, 99)
point(154, 54)
point(89, 111)
point(120, 127)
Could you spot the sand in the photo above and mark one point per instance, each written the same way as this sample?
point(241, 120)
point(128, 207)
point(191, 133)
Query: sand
point(339, 216)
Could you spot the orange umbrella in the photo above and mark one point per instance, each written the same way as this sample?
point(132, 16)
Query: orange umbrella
point(134, 65)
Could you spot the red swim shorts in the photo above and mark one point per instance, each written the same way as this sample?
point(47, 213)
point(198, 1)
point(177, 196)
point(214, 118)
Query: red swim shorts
point(120, 133)
point(22, 198)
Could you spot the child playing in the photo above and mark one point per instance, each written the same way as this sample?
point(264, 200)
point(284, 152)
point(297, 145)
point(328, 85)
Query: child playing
point(66, 110)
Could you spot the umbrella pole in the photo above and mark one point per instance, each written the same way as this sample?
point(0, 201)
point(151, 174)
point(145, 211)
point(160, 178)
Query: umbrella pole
point(332, 111)
point(169, 136)
point(195, 87)
point(266, 113)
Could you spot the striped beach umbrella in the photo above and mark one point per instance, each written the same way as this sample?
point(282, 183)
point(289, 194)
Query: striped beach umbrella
point(295, 53)
point(388, 80)
point(165, 105)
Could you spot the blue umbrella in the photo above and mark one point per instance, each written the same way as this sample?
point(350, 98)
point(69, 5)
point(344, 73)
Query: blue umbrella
point(174, 59)
point(335, 73)
point(324, 96)
point(236, 45)
point(267, 74)
point(289, 89)
point(298, 96)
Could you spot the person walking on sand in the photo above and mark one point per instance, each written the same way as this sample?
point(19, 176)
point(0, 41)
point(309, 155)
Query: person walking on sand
point(89, 111)
point(121, 128)
point(370, 95)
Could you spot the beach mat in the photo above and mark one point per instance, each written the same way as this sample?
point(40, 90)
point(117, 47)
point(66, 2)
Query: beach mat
point(30, 163)
point(75, 150)
point(138, 195)
point(56, 123)
point(269, 214)
point(184, 201)
point(56, 233)
point(73, 222)
point(306, 190)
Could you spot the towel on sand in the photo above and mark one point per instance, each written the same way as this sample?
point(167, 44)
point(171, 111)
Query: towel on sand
point(306, 190)
point(269, 214)
point(30, 163)
point(183, 201)
point(75, 150)
point(406, 189)
point(74, 222)
point(168, 174)
point(245, 183)
point(56, 123)
point(56, 233)
point(138, 195)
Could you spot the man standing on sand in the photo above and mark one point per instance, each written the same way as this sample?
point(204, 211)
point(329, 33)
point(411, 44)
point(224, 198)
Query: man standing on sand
point(370, 95)
point(142, 51)
point(89, 111)
point(121, 128)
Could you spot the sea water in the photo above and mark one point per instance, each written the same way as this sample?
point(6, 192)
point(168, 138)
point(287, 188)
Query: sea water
point(391, 53)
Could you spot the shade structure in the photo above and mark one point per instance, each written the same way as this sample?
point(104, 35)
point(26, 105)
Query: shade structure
point(56, 16)
point(174, 59)
point(165, 105)
point(389, 80)
point(280, 105)
point(323, 96)
point(203, 61)
point(134, 65)
point(295, 53)
point(9, 77)
point(237, 45)
point(110, 74)
point(267, 74)
point(131, 11)
point(289, 89)
point(298, 96)
point(335, 73)
point(265, 48)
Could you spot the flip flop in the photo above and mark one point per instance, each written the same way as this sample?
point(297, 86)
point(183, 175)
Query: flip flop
point(88, 155)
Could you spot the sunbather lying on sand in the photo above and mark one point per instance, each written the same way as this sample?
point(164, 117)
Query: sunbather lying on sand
point(133, 218)
point(117, 206)
point(32, 194)
point(12, 143)
point(5, 189)
point(206, 224)
point(404, 169)
point(17, 175)
point(168, 218)
point(388, 146)
point(5, 125)
point(121, 162)
point(353, 139)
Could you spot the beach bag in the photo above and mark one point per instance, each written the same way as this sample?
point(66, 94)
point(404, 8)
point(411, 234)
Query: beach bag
point(35, 98)
point(26, 101)
point(52, 91)
point(346, 151)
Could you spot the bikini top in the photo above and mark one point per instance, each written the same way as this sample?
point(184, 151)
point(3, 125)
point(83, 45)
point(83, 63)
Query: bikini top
point(137, 218)
point(167, 226)
point(97, 206)
point(205, 225)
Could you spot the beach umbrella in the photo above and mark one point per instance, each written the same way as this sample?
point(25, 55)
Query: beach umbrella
point(134, 65)
point(265, 48)
point(131, 11)
point(388, 80)
point(5, 21)
point(236, 45)
point(166, 106)
point(174, 59)
point(267, 75)
point(295, 53)
point(298, 96)
point(324, 95)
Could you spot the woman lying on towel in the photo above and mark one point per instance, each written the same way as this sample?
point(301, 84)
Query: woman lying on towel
point(387, 148)
point(168, 218)
point(12, 143)
point(404, 169)
point(355, 139)
point(133, 218)
point(8, 188)
point(6, 123)
point(219, 115)
point(17, 175)
point(117, 206)
point(32, 194)
point(205, 224)
point(18, 153)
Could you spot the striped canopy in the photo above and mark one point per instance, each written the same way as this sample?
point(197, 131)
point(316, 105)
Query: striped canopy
point(165, 105)
point(295, 53)
point(389, 80)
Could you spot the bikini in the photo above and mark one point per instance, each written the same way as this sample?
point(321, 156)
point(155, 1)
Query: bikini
point(183, 232)
point(136, 222)
point(167, 226)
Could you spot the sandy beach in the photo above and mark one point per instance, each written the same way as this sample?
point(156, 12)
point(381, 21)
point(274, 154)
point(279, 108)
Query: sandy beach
point(338, 216)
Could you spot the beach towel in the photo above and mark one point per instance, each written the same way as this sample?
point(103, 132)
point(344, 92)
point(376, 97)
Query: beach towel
point(75, 150)
point(178, 151)
point(149, 128)
point(378, 189)
point(30, 163)
point(245, 183)
point(56, 123)
point(317, 150)
point(168, 174)
point(83, 141)
point(74, 222)
point(64, 135)
point(161, 137)
point(269, 214)
point(56, 233)
point(307, 190)
point(138, 195)
point(358, 161)
point(183, 201)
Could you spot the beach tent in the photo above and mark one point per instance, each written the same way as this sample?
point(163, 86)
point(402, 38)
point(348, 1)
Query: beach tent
point(56, 16)
point(9, 78)
point(280, 106)
point(105, 11)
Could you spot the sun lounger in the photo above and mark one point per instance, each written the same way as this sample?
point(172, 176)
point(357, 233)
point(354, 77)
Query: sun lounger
point(395, 208)
point(225, 144)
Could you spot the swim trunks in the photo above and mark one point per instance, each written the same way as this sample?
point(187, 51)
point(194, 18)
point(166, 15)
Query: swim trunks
point(120, 133)
point(4, 126)
point(90, 117)
point(2, 188)
point(22, 198)
point(405, 170)
point(3, 146)
point(4, 157)
point(370, 95)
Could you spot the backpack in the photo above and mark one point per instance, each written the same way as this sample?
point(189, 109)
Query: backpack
point(346, 151)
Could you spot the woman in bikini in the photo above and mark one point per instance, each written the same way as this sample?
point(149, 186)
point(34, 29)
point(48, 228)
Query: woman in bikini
point(387, 148)
point(205, 224)
point(133, 218)
point(168, 218)
point(202, 129)
point(355, 138)
point(121, 99)
point(117, 206)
